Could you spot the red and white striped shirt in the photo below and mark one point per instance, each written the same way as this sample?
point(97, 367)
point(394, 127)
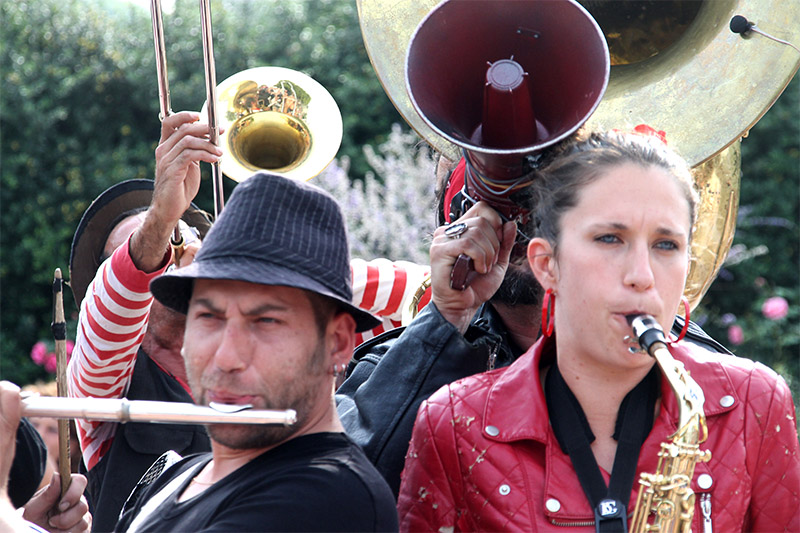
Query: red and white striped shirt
point(113, 321)
point(386, 289)
point(111, 326)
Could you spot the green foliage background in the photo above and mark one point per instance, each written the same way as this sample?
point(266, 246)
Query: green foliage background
point(78, 113)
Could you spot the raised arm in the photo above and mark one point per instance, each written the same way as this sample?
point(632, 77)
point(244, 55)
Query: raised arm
point(113, 321)
point(111, 326)
point(378, 402)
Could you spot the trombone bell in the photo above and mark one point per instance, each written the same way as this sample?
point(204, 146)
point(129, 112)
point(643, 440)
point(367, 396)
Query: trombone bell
point(276, 119)
point(287, 138)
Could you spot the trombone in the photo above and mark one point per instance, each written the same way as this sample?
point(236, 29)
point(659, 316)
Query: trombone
point(163, 95)
point(272, 118)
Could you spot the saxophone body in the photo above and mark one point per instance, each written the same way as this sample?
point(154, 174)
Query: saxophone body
point(667, 494)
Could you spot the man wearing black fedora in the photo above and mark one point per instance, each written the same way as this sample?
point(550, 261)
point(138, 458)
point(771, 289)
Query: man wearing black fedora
point(126, 344)
point(270, 323)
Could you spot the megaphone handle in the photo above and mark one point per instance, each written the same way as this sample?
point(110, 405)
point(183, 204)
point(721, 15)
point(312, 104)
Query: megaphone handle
point(463, 273)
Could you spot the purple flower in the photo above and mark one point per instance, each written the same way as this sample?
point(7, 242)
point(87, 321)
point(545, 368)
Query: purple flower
point(775, 308)
point(735, 334)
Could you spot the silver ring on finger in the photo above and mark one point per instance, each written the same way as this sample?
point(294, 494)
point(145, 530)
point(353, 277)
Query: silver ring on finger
point(455, 231)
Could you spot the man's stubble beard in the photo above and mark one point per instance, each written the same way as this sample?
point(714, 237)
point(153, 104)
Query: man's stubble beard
point(246, 436)
point(519, 286)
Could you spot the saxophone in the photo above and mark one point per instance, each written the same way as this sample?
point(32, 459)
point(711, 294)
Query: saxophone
point(667, 494)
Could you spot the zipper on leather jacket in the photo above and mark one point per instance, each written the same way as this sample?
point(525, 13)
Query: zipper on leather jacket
point(705, 506)
point(572, 523)
point(483, 325)
point(578, 523)
point(492, 358)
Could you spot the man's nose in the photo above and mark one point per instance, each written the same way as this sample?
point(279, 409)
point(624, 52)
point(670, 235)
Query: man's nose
point(232, 353)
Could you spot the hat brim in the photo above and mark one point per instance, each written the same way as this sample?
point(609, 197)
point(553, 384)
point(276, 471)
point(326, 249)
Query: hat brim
point(174, 289)
point(93, 230)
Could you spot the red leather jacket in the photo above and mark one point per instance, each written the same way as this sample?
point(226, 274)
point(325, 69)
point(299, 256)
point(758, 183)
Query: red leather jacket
point(483, 455)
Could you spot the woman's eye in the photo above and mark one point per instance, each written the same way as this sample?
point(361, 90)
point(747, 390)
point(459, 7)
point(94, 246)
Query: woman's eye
point(667, 245)
point(609, 239)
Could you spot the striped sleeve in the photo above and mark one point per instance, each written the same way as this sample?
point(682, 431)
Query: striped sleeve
point(386, 288)
point(111, 326)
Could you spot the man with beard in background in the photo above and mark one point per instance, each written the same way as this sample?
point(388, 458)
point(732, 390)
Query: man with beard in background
point(460, 333)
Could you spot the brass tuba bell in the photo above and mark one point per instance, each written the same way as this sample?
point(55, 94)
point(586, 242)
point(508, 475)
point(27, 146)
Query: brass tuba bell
point(276, 119)
point(699, 82)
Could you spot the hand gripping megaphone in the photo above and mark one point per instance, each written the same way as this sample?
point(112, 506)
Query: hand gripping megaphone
point(504, 81)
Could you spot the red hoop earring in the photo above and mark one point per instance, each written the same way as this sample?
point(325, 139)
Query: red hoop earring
point(686, 315)
point(548, 306)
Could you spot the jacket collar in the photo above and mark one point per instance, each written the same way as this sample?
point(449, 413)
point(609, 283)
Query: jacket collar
point(707, 368)
point(515, 404)
point(516, 408)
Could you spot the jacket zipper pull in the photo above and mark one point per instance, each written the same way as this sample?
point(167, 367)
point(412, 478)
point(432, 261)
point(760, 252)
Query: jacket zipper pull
point(705, 506)
point(492, 358)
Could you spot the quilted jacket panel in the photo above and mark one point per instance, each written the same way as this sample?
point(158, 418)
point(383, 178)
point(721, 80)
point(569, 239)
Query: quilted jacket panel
point(483, 456)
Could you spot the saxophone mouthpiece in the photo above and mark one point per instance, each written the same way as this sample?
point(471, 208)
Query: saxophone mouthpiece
point(646, 330)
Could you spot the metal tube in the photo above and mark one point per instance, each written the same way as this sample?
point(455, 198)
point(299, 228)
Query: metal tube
point(163, 98)
point(211, 101)
point(161, 59)
point(124, 410)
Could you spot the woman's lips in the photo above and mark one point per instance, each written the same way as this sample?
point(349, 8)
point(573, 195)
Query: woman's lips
point(630, 317)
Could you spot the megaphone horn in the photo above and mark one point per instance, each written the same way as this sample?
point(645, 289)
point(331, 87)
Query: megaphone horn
point(504, 81)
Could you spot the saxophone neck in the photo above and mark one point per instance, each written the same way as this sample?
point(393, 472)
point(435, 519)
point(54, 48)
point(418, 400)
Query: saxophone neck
point(688, 394)
point(667, 495)
point(691, 418)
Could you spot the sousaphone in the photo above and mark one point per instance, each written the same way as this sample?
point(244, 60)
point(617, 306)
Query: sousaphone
point(675, 65)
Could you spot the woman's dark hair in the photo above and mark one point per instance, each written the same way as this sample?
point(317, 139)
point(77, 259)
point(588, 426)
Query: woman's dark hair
point(556, 189)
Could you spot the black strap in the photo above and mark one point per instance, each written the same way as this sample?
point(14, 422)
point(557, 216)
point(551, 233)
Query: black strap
point(634, 422)
point(59, 329)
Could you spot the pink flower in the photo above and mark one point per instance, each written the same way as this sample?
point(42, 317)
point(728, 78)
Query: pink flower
point(735, 334)
point(775, 308)
point(50, 364)
point(70, 347)
point(38, 352)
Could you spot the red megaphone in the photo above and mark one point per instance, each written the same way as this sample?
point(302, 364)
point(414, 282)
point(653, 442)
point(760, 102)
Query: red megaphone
point(505, 80)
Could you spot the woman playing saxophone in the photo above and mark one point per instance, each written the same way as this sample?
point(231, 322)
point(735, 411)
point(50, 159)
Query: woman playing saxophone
point(562, 437)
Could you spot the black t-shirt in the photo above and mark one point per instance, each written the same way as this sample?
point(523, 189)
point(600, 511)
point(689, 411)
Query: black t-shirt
point(316, 482)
